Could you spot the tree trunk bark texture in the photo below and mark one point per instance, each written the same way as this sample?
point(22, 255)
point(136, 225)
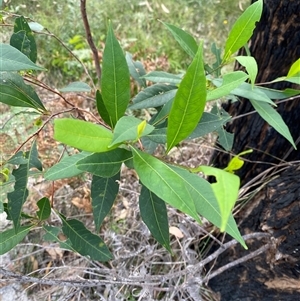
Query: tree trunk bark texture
point(275, 274)
point(276, 46)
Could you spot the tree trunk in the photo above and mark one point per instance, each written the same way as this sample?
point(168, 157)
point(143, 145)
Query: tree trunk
point(275, 46)
point(275, 274)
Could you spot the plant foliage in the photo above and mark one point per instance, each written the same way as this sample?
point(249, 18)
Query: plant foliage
point(121, 136)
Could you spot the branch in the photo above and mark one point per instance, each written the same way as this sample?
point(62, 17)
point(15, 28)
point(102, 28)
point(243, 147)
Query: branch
point(90, 38)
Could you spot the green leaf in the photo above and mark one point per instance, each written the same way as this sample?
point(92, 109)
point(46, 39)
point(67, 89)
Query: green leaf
point(230, 82)
point(226, 190)
point(295, 69)
point(158, 135)
point(18, 159)
point(10, 238)
point(242, 29)
point(52, 235)
point(245, 90)
point(102, 109)
point(154, 214)
point(83, 241)
point(225, 139)
point(127, 130)
point(206, 202)
point(11, 59)
point(103, 192)
point(14, 92)
point(76, 87)
point(164, 182)
point(104, 164)
point(82, 135)
point(189, 102)
point(136, 70)
point(66, 168)
point(115, 79)
point(250, 64)
point(20, 41)
point(153, 96)
point(44, 209)
point(273, 118)
point(217, 65)
point(33, 157)
point(163, 77)
point(209, 122)
point(185, 40)
point(30, 51)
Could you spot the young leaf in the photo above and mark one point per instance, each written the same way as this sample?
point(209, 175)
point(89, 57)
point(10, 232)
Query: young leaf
point(189, 102)
point(186, 41)
point(14, 92)
point(295, 69)
point(230, 82)
point(104, 164)
point(103, 192)
point(242, 29)
point(136, 70)
point(45, 209)
point(10, 238)
point(127, 130)
point(11, 59)
point(154, 215)
point(102, 109)
point(115, 79)
point(83, 241)
point(250, 64)
point(153, 96)
point(66, 168)
point(164, 182)
point(273, 118)
point(82, 135)
point(236, 163)
point(76, 87)
point(226, 190)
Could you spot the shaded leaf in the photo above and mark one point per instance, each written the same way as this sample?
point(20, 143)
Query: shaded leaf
point(115, 79)
point(66, 168)
point(10, 238)
point(153, 96)
point(76, 87)
point(102, 109)
point(14, 92)
point(83, 241)
point(136, 70)
point(103, 192)
point(104, 164)
point(185, 40)
point(189, 102)
point(44, 209)
point(52, 235)
point(20, 41)
point(154, 215)
point(163, 77)
point(11, 59)
point(225, 139)
point(217, 65)
point(82, 135)
point(273, 118)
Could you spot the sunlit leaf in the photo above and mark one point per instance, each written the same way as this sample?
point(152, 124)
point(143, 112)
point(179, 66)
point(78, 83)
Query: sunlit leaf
point(189, 102)
point(82, 135)
point(295, 69)
point(250, 65)
point(115, 79)
point(242, 29)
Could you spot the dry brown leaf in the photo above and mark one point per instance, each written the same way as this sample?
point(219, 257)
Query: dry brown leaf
point(176, 232)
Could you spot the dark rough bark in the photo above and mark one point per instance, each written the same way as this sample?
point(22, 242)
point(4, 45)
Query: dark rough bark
point(275, 45)
point(276, 209)
point(276, 274)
